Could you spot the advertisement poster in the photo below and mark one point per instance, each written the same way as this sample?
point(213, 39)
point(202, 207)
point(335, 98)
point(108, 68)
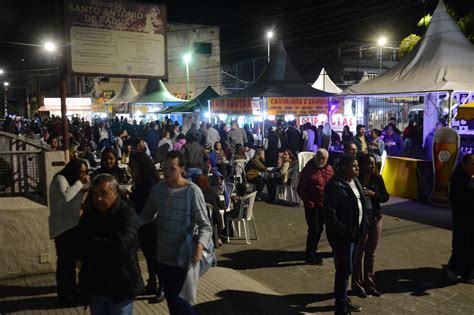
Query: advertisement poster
point(116, 38)
point(298, 106)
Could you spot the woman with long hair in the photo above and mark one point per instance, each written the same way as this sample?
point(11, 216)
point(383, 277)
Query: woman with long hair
point(211, 196)
point(66, 194)
point(363, 283)
point(109, 165)
point(144, 177)
point(280, 175)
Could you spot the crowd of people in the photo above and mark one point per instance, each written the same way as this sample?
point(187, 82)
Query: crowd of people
point(149, 174)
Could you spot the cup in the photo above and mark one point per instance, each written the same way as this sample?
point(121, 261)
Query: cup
point(445, 154)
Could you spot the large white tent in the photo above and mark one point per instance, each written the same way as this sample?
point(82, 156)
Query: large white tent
point(442, 61)
point(324, 83)
point(126, 94)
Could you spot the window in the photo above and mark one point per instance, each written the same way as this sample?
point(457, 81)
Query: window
point(203, 48)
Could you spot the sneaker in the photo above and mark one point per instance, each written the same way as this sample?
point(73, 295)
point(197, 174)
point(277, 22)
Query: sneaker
point(158, 298)
point(351, 307)
point(151, 288)
point(452, 275)
point(314, 259)
point(374, 292)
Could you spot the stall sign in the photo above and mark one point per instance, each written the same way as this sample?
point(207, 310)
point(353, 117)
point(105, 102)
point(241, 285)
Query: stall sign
point(232, 106)
point(320, 119)
point(78, 104)
point(338, 121)
point(298, 106)
point(256, 106)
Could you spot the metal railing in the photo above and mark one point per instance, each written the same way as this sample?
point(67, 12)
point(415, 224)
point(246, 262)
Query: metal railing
point(22, 167)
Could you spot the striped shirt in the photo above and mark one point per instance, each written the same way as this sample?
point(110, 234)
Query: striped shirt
point(168, 205)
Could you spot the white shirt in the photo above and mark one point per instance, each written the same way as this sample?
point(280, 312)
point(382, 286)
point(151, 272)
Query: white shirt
point(359, 202)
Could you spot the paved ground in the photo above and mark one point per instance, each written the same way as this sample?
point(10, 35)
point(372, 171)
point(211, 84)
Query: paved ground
point(270, 277)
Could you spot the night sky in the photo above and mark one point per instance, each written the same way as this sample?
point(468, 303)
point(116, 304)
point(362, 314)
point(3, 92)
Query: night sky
point(302, 24)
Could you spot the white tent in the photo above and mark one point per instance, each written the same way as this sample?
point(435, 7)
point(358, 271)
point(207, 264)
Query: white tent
point(324, 83)
point(442, 61)
point(126, 94)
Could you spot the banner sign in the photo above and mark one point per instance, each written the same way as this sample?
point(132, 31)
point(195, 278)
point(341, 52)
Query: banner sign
point(232, 106)
point(338, 121)
point(116, 38)
point(298, 106)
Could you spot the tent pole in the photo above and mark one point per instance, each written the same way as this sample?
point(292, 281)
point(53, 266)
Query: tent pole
point(450, 111)
point(209, 109)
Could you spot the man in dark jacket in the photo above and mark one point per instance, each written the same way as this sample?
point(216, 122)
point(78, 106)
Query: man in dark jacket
point(108, 234)
point(344, 212)
point(294, 137)
point(153, 138)
point(195, 156)
point(461, 194)
point(313, 178)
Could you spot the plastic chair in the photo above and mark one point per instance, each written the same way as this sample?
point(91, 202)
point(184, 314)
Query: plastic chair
point(247, 202)
point(238, 167)
point(229, 188)
point(288, 191)
point(303, 158)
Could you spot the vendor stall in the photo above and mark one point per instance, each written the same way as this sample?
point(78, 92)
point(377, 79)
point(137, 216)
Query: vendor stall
point(437, 73)
point(153, 99)
point(279, 92)
point(199, 106)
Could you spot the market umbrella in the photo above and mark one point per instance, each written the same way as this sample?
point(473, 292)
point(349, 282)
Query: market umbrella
point(466, 111)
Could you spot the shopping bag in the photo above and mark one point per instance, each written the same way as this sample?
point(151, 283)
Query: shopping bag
point(190, 286)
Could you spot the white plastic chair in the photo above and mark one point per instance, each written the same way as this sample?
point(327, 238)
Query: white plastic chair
point(303, 158)
point(288, 191)
point(238, 167)
point(247, 202)
point(229, 188)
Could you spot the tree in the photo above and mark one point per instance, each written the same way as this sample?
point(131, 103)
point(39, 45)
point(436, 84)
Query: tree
point(407, 44)
point(465, 23)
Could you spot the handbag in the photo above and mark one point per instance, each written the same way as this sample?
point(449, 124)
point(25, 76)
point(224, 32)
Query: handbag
point(186, 252)
point(188, 247)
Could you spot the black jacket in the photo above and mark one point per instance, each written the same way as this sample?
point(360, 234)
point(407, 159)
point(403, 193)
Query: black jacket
point(108, 247)
point(461, 192)
point(377, 185)
point(341, 211)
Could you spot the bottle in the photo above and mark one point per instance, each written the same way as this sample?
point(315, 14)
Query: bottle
point(446, 144)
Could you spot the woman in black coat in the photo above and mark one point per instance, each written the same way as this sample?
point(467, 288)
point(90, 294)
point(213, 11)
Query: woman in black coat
point(144, 177)
point(363, 283)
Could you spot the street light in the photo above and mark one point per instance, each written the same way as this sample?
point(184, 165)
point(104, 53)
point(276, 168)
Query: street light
point(5, 85)
point(381, 43)
point(187, 60)
point(269, 37)
point(50, 46)
point(1, 71)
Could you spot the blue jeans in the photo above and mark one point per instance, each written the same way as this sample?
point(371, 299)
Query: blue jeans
point(102, 305)
point(173, 279)
point(344, 255)
point(192, 172)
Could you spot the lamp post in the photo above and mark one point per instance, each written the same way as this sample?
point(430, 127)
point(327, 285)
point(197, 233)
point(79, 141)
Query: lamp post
point(269, 37)
point(381, 43)
point(187, 60)
point(5, 84)
point(51, 48)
